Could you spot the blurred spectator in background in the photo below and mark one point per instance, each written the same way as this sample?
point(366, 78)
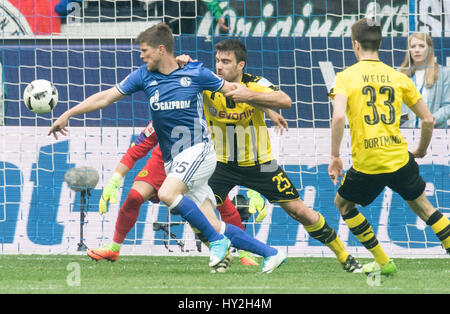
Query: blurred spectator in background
point(183, 14)
point(63, 8)
point(216, 12)
point(430, 78)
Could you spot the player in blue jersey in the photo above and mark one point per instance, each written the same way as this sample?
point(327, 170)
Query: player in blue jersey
point(176, 102)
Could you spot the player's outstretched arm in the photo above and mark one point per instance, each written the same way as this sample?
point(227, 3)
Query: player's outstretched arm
point(276, 99)
point(421, 110)
point(94, 102)
point(337, 133)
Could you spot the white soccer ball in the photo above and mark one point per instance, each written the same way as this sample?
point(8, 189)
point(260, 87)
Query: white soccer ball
point(40, 96)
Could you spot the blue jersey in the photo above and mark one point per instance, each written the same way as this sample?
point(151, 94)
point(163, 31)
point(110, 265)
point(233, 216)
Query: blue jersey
point(176, 104)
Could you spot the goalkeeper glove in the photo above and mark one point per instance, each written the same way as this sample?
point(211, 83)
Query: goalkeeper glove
point(256, 204)
point(110, 193)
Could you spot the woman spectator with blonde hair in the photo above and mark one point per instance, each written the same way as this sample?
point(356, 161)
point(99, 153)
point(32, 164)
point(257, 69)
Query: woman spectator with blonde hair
point(430, 78)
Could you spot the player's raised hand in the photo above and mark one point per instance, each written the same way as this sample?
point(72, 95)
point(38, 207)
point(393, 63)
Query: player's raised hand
point(240, 93)
point(184, 59)
point(222, 25)
point(110, 193)
point(418, 153)
point(256, 204)
point(59, 126)
point(278, 120)
point(335, 169)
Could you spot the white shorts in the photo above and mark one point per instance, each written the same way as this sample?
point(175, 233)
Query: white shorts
point(194, 166)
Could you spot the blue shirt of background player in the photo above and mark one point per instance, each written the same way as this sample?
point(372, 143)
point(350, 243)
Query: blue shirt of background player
point(176, 104)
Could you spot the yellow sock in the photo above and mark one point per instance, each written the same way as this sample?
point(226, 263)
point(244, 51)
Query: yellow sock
point(200, 236)
point(325, 234)
point(338, 248)
point(363, 231)
point(441, 227)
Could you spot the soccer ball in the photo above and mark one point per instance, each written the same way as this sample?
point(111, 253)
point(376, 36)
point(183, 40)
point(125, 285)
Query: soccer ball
point(40, 96)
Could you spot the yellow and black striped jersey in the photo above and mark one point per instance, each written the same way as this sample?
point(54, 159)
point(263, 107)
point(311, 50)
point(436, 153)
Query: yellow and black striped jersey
point(238, 130)
point(375, 92)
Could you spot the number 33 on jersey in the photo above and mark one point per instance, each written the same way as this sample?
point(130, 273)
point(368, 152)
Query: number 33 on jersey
point(375, 93)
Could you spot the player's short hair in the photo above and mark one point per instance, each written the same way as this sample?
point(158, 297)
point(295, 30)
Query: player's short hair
point(368, 35)
point(159, 34)
point(234, 45)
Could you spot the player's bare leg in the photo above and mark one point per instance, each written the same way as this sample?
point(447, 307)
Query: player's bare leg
point(422, 207)
point(207, 209)
point(300, 212)
point(440, 224)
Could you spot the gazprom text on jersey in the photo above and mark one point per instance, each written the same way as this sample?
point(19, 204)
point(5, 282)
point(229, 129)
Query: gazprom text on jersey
point(169, 105)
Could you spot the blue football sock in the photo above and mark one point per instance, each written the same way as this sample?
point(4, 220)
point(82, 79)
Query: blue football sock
point(241, 240)
point(190, 211)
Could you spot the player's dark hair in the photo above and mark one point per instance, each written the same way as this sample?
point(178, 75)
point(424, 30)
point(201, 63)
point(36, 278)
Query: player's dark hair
point(234, 45)
point(159, 34)
point(368, 35)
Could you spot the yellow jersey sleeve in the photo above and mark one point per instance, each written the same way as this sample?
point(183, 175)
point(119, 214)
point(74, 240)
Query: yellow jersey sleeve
point(339, 87)
point(410, 93)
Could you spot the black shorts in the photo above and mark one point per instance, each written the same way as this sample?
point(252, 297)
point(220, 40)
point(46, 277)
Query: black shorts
point(268, 179)
point(362, 188)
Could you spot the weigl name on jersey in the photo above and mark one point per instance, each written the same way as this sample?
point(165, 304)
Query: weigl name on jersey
point(376, 78)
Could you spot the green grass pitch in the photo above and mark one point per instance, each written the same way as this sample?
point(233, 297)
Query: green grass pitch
point(72, 274)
